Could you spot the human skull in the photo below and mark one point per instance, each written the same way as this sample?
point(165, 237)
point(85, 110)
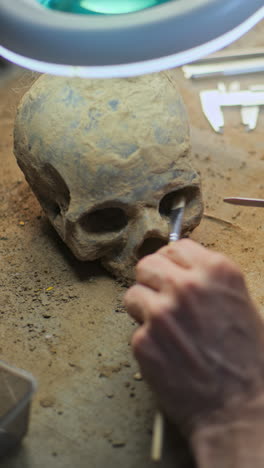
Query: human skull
point(105, 158)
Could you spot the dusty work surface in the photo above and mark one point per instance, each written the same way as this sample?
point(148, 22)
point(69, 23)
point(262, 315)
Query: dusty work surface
point(64, 322)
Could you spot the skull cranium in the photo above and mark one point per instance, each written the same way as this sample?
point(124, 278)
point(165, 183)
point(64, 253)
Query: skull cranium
point(105, 159)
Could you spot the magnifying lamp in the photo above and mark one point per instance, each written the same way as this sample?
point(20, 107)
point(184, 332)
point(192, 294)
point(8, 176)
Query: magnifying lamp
point(115, 38)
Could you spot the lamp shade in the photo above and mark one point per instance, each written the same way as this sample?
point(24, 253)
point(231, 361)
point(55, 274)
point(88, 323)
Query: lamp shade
point(160, 36)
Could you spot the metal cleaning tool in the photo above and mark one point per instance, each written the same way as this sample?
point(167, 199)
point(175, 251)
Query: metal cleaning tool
point(257, 202)
point(176, 218)
point(249, 100)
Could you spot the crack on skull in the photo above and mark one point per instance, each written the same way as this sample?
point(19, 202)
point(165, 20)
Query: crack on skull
point(52, 192)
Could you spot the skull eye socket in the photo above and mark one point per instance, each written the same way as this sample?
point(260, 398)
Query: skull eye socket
point(104, 220)
point(166, 203)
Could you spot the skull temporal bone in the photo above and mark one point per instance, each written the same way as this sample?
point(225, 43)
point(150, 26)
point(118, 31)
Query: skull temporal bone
point(104, 158)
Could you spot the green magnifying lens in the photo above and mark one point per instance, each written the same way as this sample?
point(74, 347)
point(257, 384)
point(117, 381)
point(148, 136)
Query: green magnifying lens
point(105, 7)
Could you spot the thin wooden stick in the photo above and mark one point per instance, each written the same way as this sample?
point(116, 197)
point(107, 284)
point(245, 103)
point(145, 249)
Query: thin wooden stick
point(157, 437)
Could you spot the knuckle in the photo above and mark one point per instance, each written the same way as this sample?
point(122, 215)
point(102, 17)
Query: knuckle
point(140, 265)
point(157, 315)
point(191, 288)
point(139, 341)
point(163, 250)
point(220, 264)
point(160, 313)
point(187, 244)
point(190, 285)
point(234, 270)
point(144, 263)
point(171, 281)
point(129, 295)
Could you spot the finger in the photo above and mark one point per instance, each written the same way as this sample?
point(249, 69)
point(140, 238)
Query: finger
point(169, 343)
point(151, 359)
point(138, 300)
point(186, 253)
point(143, 303)
point(144, 348)
point(159, 273)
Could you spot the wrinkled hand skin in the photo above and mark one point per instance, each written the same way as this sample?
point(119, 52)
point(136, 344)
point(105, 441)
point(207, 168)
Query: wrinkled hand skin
point(200, 343)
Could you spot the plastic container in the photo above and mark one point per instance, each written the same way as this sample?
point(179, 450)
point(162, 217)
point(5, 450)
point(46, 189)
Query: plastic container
point(16, 391)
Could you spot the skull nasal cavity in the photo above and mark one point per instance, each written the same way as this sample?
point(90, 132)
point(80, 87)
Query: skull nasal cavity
point(150, 245)
point(105, 220)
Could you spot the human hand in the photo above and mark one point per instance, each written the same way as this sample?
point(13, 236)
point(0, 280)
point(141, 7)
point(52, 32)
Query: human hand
point(201, 341)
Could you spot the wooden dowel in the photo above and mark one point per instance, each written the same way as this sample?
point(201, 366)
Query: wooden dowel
point(157, 437)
